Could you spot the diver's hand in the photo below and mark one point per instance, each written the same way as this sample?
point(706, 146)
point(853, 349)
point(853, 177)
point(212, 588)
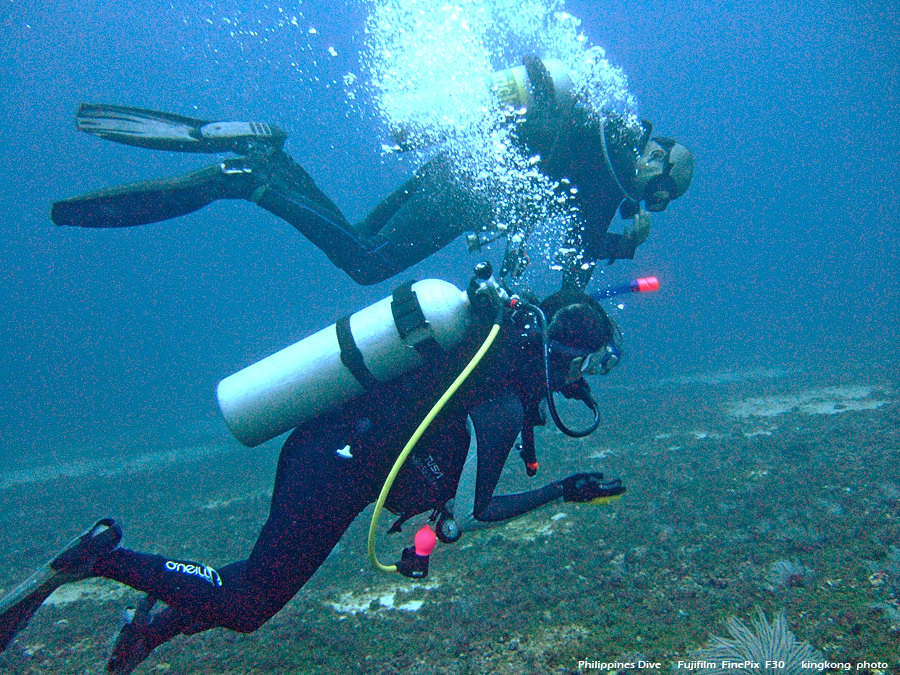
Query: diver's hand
point(586, 487)
point(640, 232)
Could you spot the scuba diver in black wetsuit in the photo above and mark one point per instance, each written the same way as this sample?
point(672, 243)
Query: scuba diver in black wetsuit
point(332, 466)
point(600, 164)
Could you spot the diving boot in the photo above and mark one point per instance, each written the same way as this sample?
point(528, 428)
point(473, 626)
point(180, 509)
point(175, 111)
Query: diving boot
point(165, 131)
point(72, 564)
point(132, 645)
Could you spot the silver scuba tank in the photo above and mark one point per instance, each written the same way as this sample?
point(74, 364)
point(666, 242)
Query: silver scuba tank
point(342, 361)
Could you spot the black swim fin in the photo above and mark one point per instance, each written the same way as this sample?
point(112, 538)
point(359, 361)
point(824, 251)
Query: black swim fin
point(131, 645)
point(165, 131)
point(156, 200)
point(72, 564)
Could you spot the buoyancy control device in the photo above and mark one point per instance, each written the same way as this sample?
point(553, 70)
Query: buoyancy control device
point(342, 361)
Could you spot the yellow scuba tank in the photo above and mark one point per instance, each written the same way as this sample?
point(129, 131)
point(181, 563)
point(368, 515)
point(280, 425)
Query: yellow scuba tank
point(342, 361)
point(513, 86)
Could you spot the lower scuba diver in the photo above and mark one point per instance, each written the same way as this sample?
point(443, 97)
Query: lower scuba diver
point(332, 466)
point(600, 163)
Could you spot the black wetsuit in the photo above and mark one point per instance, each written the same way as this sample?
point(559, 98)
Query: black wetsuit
point(318, 492)
point(422, 216)
point(598, 158)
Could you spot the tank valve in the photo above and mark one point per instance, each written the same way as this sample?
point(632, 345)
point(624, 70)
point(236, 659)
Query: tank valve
point(485, 295)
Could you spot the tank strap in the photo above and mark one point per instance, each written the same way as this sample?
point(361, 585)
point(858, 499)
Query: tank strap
point(351, 357)
point(414, 329)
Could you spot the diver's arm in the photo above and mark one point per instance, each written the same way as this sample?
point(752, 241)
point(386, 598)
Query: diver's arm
point(624, 246)
point(610, 247)
point(487, 506)
point(496, 426)
point(579, 487)
point(493, 428)
point(504, 507)
point(616, 246)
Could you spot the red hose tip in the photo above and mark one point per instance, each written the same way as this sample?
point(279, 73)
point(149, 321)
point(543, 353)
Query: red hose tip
point(425, 541)
point(647, 284)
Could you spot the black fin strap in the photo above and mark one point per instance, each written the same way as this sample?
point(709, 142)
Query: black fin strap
point(411, 324)
point(351, 357)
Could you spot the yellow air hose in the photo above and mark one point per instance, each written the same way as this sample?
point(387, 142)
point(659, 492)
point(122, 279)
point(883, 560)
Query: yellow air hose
point(398, 464)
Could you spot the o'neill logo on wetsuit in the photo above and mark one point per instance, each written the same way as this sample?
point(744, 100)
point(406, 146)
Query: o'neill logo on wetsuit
point(202, 571)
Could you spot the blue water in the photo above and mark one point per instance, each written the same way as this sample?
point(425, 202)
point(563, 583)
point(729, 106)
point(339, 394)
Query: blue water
point(782, 254)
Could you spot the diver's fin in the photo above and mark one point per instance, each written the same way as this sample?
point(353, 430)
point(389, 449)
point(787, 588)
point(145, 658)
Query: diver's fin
point(165, 131)
point(72, 564)
point(131, 645)
point(156, 200)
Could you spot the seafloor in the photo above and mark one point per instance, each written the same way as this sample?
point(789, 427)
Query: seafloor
point(777, 490)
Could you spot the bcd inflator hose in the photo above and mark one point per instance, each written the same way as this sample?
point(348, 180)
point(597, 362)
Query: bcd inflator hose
point(414, 439)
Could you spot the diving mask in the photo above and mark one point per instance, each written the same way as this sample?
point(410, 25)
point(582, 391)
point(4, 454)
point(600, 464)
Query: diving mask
point(668, 168)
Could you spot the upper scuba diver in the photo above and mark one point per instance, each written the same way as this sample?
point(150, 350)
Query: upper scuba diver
point(600, 164)
point(332, 466)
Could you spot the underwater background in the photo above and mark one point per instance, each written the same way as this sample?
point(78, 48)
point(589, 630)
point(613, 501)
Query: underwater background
point(755, 419)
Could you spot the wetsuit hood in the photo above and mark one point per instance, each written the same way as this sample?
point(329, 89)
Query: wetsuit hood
point(577, 321)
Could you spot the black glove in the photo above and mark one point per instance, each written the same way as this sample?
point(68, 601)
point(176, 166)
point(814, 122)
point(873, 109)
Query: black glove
point(586, 487)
